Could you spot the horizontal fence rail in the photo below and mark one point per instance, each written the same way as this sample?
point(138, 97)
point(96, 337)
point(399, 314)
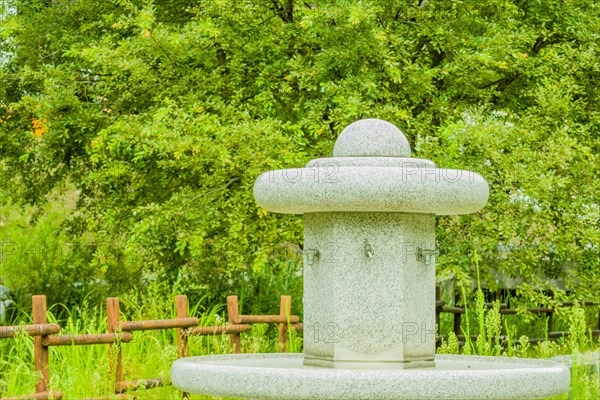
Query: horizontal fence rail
point(86, 339)
point(38, 396)
point(31, 330)
point(158, 324)
point(217, 330)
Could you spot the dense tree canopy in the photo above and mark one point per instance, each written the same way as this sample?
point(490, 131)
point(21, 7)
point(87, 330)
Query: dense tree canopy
point(157, 117)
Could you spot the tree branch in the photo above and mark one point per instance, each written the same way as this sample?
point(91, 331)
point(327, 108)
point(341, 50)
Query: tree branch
point(541, 42)
point(420, 44)
point(285, 10)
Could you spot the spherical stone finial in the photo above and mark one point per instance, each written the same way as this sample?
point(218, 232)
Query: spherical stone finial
point(371, 138)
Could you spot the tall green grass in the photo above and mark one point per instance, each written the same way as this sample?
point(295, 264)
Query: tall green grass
point(83, 371)
point(488, 324)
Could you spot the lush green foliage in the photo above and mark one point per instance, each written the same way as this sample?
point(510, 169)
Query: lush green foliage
point(161, 114)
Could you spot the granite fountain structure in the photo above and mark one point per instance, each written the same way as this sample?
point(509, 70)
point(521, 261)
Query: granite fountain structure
point(369, 286)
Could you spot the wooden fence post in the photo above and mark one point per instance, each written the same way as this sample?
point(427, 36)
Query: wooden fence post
point(232, 313)
point(437, 313)
point(113, 317)
point(457, 317)
point(181, 309)
point(438, 323)
point(285, 310)
point(40, 352)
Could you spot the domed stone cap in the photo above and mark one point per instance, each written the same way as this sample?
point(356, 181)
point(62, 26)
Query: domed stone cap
point(371, 138)
point(371, 171)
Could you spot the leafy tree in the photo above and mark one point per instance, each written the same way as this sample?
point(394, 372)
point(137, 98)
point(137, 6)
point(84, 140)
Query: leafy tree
point(162, 113)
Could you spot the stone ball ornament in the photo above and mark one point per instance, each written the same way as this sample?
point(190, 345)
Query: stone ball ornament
point(371, 138)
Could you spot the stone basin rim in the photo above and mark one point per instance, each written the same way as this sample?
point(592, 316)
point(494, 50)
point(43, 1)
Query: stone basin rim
point(504, 378)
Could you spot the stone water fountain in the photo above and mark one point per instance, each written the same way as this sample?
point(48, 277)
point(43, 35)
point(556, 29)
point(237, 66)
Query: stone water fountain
point(369, 286)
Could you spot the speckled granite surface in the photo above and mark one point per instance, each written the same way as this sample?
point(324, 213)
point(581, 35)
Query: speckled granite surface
point(369, 308)
point(281, 376)
point(371, 138)
point(423, 189)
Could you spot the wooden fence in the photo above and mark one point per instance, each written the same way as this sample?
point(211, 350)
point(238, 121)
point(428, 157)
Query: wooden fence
point(458, 312)
point(120, 332)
